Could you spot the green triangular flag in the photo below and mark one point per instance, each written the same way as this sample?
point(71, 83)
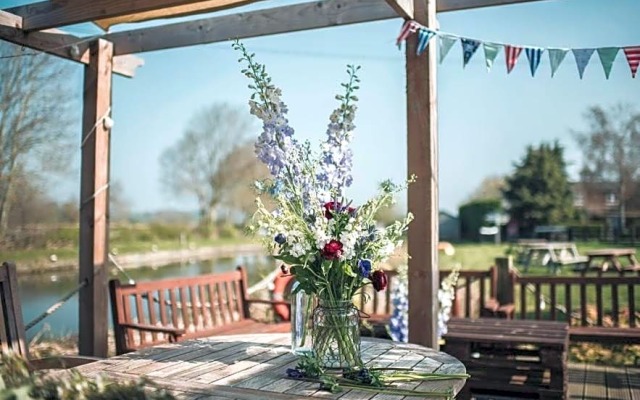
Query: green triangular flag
point(555, 58)
point(491, 51)
point(446, 43)
point(607, 56)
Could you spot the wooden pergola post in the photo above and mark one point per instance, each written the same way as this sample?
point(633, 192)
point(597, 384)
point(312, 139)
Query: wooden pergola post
point(422, 160)
point(94, 201)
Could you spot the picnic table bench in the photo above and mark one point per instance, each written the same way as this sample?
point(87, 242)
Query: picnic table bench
point(170, 310)
point(602, 259)
point(551, 254)
point(511, 357)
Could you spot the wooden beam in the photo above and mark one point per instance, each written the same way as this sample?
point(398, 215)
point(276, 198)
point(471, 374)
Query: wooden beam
point(285, 19)
point(94, 201)
point(56, 42)
point(404, 8)
point(51, 14)
point(293, 18)
point(458, 5)
point(422, 160)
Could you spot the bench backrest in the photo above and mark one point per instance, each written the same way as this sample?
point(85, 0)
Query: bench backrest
point(12, 333)
point(200, 305)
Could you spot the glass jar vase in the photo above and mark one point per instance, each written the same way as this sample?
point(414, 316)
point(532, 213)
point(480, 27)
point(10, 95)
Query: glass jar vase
point(336, 335)
point(301, 320)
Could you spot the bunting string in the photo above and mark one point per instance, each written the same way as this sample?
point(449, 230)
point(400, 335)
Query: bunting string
point(469, 46)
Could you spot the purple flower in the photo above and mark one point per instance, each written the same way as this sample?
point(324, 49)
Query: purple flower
point(364, 268)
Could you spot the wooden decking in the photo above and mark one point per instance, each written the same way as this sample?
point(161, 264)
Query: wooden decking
point(593, 382)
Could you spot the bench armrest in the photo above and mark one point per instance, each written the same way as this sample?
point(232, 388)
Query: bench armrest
point(152, 328)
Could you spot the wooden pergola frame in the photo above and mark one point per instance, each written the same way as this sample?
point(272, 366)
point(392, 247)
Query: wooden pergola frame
point(36, 26)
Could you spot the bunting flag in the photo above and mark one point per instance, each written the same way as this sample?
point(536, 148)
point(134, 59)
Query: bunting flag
point(556, 56)
point(534, 55)
point(408, 28)
point(469, 47)
point(491, 51)
point(607, 56)
point(633, 58)
point(446, 43)
point(582, 57)
point(424, 36)
point(511, 53)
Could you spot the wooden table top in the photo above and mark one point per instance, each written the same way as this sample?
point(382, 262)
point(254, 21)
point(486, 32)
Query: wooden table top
point(253, 367)
point(496, 330)
point(611, 252)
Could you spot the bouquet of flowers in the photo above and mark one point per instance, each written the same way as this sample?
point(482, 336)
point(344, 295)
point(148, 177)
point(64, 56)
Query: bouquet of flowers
point(331, 245)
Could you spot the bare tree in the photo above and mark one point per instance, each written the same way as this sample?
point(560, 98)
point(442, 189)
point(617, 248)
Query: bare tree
point(34, 121)
point(196, 164)
point(490, 188)
point(611, 150)
point(239, 171)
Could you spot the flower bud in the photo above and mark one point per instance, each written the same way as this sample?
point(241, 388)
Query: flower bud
point(379, 280)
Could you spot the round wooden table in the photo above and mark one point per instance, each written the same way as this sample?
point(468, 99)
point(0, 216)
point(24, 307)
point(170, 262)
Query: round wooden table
point(253, 367)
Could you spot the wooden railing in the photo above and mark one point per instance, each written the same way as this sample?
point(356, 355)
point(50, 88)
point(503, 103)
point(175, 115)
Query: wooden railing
point(581, 301)
point(474, 288)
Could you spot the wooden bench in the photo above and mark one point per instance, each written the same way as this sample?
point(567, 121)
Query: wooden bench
point(13, 337)
point(511, 358)
point(170, 310)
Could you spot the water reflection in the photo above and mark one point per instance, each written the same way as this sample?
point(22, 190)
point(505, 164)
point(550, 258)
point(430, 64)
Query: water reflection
point(39, 292)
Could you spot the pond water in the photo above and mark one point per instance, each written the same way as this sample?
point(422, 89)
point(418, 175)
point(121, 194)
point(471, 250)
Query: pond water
point(39, 292)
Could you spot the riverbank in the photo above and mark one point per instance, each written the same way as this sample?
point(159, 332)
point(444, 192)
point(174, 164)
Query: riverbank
point(153, 258)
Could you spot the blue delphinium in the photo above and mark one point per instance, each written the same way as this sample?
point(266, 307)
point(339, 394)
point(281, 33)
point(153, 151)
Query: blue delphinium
point(399, 321)
point(336, 159)
point(364, 268)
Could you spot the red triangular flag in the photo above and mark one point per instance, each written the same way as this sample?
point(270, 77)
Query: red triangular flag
point(511, 54)
point(633, 58)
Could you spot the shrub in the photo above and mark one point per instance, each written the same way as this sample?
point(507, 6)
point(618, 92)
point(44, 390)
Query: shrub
point(17, 382)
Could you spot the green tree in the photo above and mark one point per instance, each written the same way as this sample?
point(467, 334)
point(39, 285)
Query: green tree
point(539, 192)
point(611, 151)
point(473, 215)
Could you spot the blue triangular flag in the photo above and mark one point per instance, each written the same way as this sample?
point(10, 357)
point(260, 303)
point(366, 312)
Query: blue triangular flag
point(424, 35)
point(582, 59)
point(469, 47)
point(534, 54)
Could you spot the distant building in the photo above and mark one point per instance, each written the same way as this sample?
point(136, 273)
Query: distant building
point(600, 202)
point(449, 227)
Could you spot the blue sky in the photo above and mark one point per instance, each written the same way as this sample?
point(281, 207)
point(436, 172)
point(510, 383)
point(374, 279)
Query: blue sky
point(485, 119)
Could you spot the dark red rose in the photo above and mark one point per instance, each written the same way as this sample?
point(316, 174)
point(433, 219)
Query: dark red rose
point(332, 250)
point(332, 207)
point(379, 280)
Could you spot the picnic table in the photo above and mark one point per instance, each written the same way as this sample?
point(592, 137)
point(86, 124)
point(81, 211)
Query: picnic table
point(602, 259)
point(511, 357)
point(253, 367)
point(552, 254)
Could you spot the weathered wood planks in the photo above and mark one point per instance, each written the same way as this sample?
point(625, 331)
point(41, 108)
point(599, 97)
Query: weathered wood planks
point(253, 367)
